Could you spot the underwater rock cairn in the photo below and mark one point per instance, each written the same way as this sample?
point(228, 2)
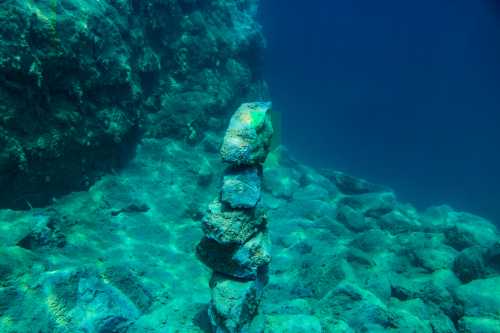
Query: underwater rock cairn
point(236, 244)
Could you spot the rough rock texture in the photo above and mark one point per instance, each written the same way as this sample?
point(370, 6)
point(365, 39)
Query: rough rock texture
point(228, 226)
point(242, 261)
point(236, 245)
point(233, 303)
point(396, 274)
point(241, 187)
point(80, 80)
point(248, 138)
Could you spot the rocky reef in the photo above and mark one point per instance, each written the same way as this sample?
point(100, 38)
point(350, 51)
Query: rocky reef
point(236, 245)
point(81, 81)
point(88, 85)
point(347, 256)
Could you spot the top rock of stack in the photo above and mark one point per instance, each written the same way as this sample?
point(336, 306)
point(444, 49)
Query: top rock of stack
point(248, 137)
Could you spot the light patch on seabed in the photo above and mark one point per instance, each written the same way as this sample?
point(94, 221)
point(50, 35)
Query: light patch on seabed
point(57, 310)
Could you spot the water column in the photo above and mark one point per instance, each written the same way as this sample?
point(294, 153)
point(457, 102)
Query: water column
point(236, 244)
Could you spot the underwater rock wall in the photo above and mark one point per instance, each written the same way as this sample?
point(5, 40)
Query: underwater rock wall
point(81, 80)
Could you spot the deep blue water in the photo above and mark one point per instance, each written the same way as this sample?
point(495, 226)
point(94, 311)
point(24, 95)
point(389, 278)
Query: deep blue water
point(402, 93)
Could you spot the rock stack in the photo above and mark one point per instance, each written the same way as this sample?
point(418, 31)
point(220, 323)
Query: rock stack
point(236, 244)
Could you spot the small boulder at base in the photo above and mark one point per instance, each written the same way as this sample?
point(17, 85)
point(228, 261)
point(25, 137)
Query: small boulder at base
point(234, 303)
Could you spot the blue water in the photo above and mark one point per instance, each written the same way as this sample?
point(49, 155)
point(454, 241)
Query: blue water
point(402, 93)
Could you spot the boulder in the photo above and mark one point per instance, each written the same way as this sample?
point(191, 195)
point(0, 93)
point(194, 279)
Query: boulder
point(359, 308)
point(493, 255)
point(371, 204)
point(227, 226)
point(243, 262)
point(479, 325)
point(80, 300)
point(248, 137)
point(311, 192)
point(469, 264)
point(399, 221)
point(350, 185)
point(234, 303)
point(354, 219)
point(241, 187)
point(481, 298)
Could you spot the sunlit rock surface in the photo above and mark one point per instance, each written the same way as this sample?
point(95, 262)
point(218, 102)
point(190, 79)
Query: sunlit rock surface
point(398, 270)
point(248, 137)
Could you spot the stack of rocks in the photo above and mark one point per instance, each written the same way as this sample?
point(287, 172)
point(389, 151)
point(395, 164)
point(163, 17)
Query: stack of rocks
point(236, 245)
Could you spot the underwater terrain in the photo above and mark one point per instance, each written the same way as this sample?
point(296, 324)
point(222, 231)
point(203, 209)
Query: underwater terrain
point(402, 93)
point(112, 115)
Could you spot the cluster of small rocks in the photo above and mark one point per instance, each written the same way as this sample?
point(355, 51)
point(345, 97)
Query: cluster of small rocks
point(348, 257)
point(236, 245)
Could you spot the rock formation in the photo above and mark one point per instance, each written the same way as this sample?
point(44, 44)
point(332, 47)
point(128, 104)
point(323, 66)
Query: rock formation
point(82, 81)
point(236, 245)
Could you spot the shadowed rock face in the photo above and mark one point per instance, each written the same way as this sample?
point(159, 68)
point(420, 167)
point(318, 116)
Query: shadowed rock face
point(80, 81)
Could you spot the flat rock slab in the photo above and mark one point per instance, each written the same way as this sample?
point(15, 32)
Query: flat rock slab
point(241, 187)
point(248, 137)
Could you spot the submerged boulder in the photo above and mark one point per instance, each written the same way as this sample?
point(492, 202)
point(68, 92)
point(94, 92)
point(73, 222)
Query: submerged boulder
point(248, 137)
point(469, 264)
point(241, 187)
point(229, 226)
point(234, 303)
point(481, 298)
point(479, 325)
point(243, 261)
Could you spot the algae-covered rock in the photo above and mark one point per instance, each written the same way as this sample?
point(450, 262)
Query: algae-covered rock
point(229, 226)
point(241, 187)
point(361, 309)
point(248, 137)
point(82, 80)
point(479, 325)
point(234, 303)
point(244, 262)
point(481, 298)
point(469, 264)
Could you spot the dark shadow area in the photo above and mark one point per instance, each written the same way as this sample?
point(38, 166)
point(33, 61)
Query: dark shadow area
point(202, 320)
point(23, 190)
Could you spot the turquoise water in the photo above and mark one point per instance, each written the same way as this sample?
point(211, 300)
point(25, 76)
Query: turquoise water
point(405, 94)
point(162, 171)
